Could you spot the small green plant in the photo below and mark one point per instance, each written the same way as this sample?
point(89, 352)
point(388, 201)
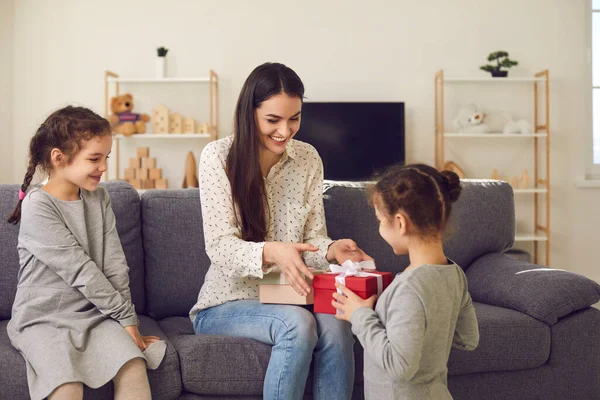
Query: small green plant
point(162, 51)
point(502, 61)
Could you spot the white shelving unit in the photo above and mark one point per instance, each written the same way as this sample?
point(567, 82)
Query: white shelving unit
point(495, 135)
point(112, 79)
point(157, 80)
point(541, 182)
point(530, 237)
point(152, 136)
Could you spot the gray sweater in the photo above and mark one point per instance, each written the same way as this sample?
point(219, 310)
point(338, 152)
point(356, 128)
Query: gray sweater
point(73, 297)
point(408, 337)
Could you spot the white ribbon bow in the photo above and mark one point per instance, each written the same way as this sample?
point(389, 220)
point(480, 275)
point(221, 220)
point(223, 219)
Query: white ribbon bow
point(351, 268)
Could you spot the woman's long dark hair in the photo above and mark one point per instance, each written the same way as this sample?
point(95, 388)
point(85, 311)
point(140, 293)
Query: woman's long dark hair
point(64, 129)
point(243, 166)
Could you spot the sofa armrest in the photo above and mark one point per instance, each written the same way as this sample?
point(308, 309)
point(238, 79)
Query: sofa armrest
point(543, 293)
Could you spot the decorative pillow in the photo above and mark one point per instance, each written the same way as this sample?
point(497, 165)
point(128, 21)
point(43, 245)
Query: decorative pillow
point(543, 293)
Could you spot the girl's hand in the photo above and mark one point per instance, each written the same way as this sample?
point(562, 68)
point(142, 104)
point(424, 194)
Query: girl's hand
point(349, 302)
point(287, 257)
point(346, 249)
point(142, 342)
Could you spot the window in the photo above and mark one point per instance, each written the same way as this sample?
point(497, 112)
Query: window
point(596, 81)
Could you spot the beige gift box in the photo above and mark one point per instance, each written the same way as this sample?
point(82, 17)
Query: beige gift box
point(275, 289)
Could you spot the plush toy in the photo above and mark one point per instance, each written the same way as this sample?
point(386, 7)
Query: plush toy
point(471, 119)
point(123, 120)
point(520, 126)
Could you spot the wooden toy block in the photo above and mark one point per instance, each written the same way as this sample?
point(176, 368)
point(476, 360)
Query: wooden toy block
point(156, 173)
point(203, 127)
point(129, 173)
point(136, 183)
point(160, 119)
point(135, 163)
point(190, 178)
point(495, 175)
point(142, 173)
point(189, 125)
point(175, 123)
point(525, 180)
point(147, 184)
point(149, 163)
point(515, 182)
point(143, 152)
point(161, 184)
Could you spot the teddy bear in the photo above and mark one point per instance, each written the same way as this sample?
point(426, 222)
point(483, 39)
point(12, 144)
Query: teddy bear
point(471, 119)
point(123, 120)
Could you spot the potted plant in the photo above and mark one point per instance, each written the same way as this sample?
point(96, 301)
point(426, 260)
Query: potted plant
point(502, 60)
point(161, 61)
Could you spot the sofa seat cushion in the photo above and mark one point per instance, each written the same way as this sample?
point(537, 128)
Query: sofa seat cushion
point(165, 381)
point(228, 366)
point(508, 341)
point(217, 365)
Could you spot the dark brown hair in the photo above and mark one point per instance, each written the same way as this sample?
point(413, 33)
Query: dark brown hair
point(65, 129)
point(422, 192)
point(243, 164)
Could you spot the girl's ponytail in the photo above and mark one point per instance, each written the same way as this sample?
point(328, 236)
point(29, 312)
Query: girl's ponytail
point(15, 217)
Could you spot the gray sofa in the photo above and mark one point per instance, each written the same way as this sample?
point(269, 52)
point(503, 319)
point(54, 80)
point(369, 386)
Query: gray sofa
point(539, 337)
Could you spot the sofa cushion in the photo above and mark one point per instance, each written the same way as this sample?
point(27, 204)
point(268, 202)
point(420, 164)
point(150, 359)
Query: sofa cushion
point(482, 221)
point(543, 293)
point(176, 261)
point(217, 365)
point(509, 340)
point(214, 365)
point(9, 257)
point(125, 202)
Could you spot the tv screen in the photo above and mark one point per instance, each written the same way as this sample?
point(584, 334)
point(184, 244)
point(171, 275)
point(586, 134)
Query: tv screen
point(354, 140)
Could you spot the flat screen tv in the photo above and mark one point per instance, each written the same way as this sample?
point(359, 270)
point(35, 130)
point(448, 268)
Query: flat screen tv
point(354, 140)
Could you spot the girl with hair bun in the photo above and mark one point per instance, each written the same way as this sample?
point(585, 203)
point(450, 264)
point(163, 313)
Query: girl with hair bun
point(427, 309)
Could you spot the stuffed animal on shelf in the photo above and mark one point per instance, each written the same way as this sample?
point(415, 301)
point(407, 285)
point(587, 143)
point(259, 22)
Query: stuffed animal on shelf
point(471, 119)
point(520, 126)
point(190, 179)
point(122, 119)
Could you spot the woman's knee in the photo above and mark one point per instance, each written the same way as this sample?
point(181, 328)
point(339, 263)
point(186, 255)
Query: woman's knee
point(334, 332)
point(300, 325)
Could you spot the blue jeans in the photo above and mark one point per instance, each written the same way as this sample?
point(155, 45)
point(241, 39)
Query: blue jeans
point(296, 335)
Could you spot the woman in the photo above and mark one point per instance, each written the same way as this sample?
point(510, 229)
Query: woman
point(262, 206)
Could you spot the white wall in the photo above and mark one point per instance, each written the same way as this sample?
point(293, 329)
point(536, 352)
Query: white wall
point(343, 50)
point(7, 40)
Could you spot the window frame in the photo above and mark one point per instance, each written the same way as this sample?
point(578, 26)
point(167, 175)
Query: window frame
point(592, 170)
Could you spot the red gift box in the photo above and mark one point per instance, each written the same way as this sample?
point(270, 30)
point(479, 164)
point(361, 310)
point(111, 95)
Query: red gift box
point(365, 287)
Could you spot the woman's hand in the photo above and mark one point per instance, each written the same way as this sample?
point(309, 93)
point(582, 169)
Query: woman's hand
point(142, 342)
point(349, 302)
point(346, 249)
point(287, 257)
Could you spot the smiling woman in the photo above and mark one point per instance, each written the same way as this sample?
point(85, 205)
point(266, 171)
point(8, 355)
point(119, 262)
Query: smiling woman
point(261, 194)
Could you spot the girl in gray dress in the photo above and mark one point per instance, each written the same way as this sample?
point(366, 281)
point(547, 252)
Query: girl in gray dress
point(73, 319)
point(427, 309)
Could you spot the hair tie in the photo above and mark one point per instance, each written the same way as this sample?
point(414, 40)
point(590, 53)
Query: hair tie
point(21, 194)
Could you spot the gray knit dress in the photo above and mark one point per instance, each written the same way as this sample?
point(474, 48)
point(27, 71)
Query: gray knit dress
point(73, 297)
